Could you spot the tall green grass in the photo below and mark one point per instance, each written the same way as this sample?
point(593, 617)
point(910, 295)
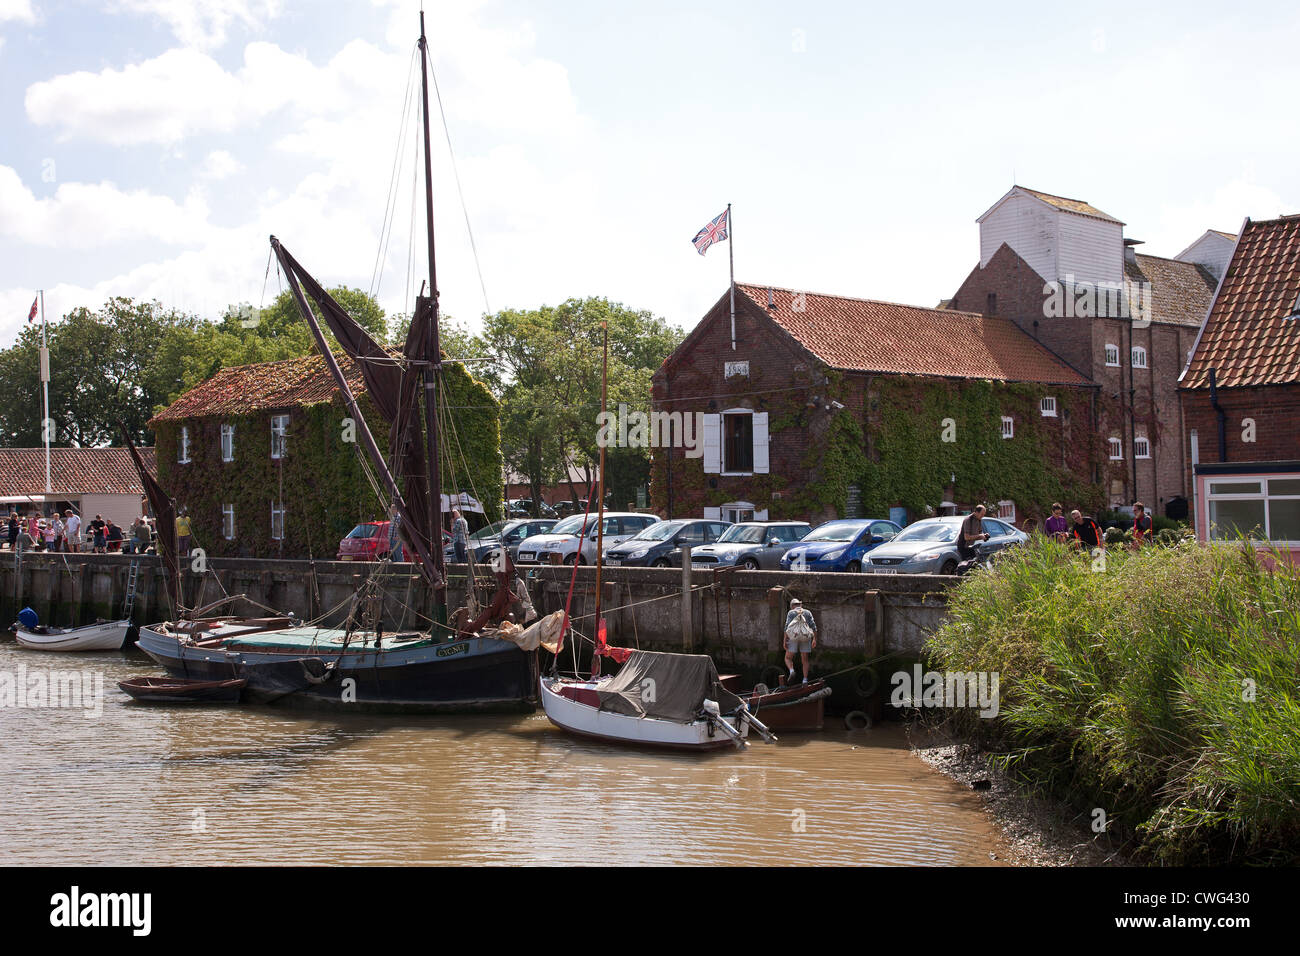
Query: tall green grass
point(1164, 689)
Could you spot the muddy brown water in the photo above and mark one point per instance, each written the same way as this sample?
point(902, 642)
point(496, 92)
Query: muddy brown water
point(146, 784)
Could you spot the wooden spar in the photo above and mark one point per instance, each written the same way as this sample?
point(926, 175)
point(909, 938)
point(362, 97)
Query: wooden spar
point(600, 478)
point(426, 565)
point(434, 357)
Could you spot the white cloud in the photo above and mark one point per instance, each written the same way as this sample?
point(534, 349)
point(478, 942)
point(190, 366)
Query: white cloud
point(20, 10)
point(219, 164)
point(203, 23)
point(86, 215)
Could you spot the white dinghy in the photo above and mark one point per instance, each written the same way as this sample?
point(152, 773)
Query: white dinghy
point(674, 701)
point(102, 636)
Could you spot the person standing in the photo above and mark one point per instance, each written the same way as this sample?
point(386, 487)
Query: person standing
point(59, 531)
point(72, 530)
point(97, 534)
point(1056, 527)
point(113, 536)
point(460, 536)
point(34, 530)
point(50, 532)
point(183, 531)
point(800, 638)
point(972, 532)
point(1087, 533)
point(14, 528)
point(1141, 525)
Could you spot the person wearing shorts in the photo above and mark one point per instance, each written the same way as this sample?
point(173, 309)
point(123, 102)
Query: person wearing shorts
point(800, 638)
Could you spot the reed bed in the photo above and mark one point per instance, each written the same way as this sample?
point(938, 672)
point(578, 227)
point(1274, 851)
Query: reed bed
point(1164, 690)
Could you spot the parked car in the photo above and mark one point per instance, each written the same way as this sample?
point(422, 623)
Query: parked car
point(839, 545)
point(566, 508)
point(660, 545)
point(502, 534)
point(524, 508)
point(930, 546)
point(368, 541)
point(753, 545)
point(575, 537)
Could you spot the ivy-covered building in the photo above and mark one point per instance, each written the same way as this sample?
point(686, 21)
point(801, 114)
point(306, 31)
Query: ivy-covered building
point(819, 406)
point(266, 461)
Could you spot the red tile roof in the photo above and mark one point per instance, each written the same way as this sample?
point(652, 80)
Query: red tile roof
point(266, 386)
point(1181, 292)
point(1250, 336)
point(73, 471)
point(869, 336)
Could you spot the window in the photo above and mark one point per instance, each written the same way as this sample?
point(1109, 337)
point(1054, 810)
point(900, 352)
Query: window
point(279, 435)
point(991, 304)
point(227, 442)
point(228, 522)
point(1008, 426)
point(1138, 357)
point(1007, 510)
point(1048, 406)
point(277, 521)
point(884, 530)
point(183, 452)
point(738, 443)
point(1141, 447)
point(1112, 355)
point(1116, 450)
point(738, 511)
point(1263, 508)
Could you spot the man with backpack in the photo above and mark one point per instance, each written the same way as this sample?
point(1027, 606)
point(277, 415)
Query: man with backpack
point(800, 638)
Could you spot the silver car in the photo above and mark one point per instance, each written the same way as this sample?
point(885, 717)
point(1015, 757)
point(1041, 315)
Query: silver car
point(930, 546)
point(753, 545)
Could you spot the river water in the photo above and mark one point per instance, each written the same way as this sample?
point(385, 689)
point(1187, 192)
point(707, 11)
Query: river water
point(147, 784)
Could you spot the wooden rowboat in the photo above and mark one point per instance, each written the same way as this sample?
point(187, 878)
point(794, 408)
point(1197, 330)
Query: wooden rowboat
point(176, 690)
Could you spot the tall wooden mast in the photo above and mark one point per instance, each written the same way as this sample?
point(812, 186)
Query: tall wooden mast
point(434, 358)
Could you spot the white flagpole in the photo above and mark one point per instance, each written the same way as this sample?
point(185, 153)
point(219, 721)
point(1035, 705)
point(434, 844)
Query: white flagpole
point(731, 252)
point(45, 381)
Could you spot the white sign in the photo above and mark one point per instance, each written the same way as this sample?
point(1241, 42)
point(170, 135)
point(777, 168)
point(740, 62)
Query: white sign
point(737, 368)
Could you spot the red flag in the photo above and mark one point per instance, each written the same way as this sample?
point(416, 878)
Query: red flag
point(31, 316)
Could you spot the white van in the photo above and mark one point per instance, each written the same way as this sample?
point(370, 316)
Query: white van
point(576, 536)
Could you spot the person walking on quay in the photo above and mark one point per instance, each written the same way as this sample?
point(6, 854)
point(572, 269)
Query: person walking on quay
point(972, 531)
point(1087, 533)
point(459, 536)
point(1056, 527)
point(14, 528)
point(183, 531)
point(33, 531)
point(72, 530)
point(1141, 525)
point(800, 638)
point(55, 525)
point(97, 534)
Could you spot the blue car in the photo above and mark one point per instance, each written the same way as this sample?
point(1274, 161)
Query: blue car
point(838, 545)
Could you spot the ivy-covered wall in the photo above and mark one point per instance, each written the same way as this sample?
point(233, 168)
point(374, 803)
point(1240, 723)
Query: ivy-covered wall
point(320, 480)
point(888, 439)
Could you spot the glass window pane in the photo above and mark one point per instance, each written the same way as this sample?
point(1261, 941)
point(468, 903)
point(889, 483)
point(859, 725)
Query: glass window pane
point(1284, 486)
point(1230, 518)
point(1284, 519)
point(1235, 488)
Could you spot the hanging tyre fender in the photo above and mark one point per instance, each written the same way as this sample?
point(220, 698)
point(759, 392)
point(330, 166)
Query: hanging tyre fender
point(857, 720)
point(772, 675)
point(866, 681)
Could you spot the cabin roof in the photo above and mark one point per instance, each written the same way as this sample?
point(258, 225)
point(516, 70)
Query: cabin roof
point(73, 471)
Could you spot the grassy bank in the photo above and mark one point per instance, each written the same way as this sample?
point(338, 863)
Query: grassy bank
point(1164, 690)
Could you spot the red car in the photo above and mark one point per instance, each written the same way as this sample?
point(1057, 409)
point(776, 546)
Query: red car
point(369, 542)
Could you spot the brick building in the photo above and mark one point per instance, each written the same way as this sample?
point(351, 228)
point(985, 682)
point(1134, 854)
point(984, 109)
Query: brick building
point(1062, 271)
point(818, 406)
point(1240, 393)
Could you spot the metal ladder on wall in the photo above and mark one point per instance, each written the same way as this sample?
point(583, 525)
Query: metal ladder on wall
point(132, 575)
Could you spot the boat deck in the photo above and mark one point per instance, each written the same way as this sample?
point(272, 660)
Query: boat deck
point(306, 638)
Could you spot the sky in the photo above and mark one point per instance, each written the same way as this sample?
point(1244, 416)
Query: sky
point(148, 148)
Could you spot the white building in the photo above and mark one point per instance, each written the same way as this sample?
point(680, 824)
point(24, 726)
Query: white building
point(90, 481)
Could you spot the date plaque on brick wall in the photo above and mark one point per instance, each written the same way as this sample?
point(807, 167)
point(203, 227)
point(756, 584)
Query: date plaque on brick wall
point(738, 368)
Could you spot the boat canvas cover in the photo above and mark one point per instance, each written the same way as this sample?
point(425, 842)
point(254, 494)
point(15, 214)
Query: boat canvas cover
point(666, 686)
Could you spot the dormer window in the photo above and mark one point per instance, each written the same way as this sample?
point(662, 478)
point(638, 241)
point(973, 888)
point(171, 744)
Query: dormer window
point(1295, 309)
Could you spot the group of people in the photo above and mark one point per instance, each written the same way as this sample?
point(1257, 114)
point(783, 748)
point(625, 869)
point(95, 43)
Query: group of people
point(1083, 531)
point(65, 532)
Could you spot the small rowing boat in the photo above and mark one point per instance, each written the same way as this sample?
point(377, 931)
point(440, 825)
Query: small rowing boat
point(176, 690)
point(103, 636)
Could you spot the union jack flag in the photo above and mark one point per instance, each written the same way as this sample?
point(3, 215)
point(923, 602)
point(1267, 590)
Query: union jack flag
point(31, 316)
point(715, 231)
